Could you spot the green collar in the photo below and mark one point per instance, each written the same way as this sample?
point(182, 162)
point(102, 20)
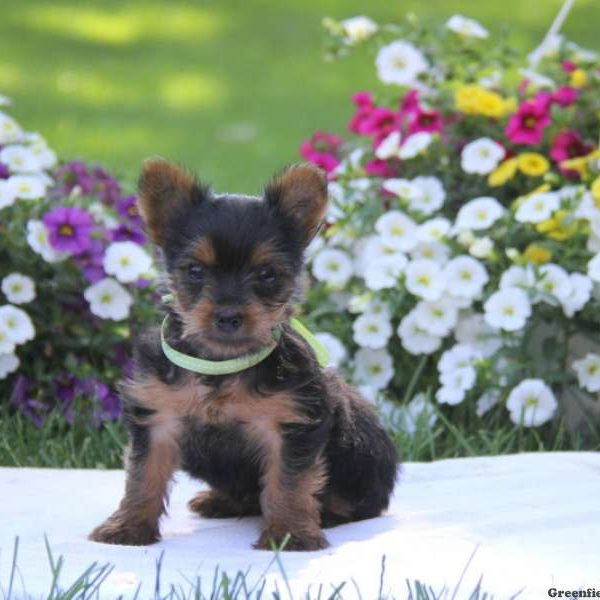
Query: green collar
point(235, 365)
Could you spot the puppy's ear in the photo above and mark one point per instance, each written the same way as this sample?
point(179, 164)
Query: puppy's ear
point(299, 194)
point(164, 191)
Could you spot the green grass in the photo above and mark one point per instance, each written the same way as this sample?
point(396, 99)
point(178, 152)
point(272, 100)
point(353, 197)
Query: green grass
point(223, 586)
point(227, 87)
point(58, 445)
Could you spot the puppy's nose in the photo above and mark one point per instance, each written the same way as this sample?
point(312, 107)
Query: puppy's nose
point(228, 320)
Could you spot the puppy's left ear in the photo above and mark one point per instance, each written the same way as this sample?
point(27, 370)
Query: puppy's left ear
point(299, 194)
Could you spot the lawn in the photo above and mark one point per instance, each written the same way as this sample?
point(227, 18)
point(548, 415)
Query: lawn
point(228, 88)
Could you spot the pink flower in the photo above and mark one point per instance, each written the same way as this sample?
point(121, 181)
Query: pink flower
point(426, 120)
point(365, 106)
point(568, 66)
point(322, 150)
point(380, 123)
point(565, 95)
point(527, 125)
point(381, 168)
point(568, 144)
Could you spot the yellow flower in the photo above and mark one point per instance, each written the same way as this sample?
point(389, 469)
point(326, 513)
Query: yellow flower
point(505, 172)
point(537, 254)
point(559, 227)
point(578, 78)
point(476, 100)
point(595, 189)
point(580, 163)
point(533, 164)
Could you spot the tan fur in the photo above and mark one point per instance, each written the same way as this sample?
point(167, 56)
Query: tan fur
point(205, 252)
point(163, 187)
point(302, 191)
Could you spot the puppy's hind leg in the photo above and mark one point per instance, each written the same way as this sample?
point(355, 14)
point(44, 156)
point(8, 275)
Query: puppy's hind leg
point(213, 504)
point(152, 459)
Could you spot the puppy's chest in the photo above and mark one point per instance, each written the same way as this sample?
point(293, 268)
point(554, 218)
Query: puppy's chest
point(230, 404)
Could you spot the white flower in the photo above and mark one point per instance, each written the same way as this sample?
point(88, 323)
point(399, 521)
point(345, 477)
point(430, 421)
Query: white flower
point(473, 331)
point(371, 248)
point(435, 251)
point(431, 198)
point(18, 288)
point(333, 267)
point(436, 318)
point(588, 372)
point(508, 309)
point(450, 394)
point(369, 393)
point(37, 238)
point(419, 411)
point(537, 79)
point(415, 144)
point(518, 277)
point(108, 299)
point(403, 188)
point(7, 345)
point(389, 146)
point(481, 156)
point(315, 246)
point(460, 379)
point(358, 29)
point(537, 208)
point(593, 243)
point(467, 27)
point(373, 367)
point(486, 401)
point(400, 62)
point(9, 363)
point(372, 331)
point(384, 271)
point(46, 157)
point(460, 356)
point(127, 261)
point(397, 230)
point(479, 213)
point(27, 187)
point(7, 194)
point(414, 339)
point(16, 324)
point(593, 268)
point(20, 159)
point(375, 306)
point(554, 280)
point(482, 247)
point(531, 403)
point(465, 277)
point(10, 131)
point(581, 292)
point(425, 278)
point(336, 351)
point(433, 230)
point(103, 216)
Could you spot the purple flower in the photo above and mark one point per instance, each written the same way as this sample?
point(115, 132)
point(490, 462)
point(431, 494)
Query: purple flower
point(128, 232)
point(127, 208)
point(4, 171)
point(69, 229)
point(91, 261)
point(34, 410)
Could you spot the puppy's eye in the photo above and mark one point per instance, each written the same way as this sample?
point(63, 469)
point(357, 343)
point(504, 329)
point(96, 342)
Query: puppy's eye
point(267, 275)
point(195, 272)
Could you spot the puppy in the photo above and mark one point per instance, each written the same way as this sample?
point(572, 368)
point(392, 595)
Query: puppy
point(285, 438)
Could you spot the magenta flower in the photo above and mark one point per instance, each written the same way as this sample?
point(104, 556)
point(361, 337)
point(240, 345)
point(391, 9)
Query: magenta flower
point(364, 107)
point(69, 229)
point(322, 150)
point(380, 168)
point(565, 96)
point(380, 123)
point(569, 144)
point(527, 125)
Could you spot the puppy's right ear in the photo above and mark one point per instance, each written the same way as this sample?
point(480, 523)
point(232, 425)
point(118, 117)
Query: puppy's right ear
point(165, 191)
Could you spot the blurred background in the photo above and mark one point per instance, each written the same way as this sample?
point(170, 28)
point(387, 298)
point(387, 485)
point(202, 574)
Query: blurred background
point(228, 88)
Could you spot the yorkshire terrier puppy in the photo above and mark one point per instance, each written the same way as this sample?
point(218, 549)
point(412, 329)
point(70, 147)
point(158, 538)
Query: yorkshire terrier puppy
point(285, 438)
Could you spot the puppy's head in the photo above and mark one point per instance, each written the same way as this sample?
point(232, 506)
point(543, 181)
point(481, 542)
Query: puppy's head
point(234, 263)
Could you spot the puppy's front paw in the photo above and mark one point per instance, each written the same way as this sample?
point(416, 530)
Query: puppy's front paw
point(118, 529)
point(271, 538)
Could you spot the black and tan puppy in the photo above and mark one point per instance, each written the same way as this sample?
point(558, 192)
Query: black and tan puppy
point(285, 438)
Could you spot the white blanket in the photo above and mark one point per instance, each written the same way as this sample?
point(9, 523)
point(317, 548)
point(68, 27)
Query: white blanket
point(531, 520)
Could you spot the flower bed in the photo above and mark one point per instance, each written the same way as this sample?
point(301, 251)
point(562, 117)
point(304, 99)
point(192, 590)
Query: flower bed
point(72, 270)
point(459, 269)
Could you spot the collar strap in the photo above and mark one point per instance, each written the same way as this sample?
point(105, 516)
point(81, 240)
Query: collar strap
point(235, 365)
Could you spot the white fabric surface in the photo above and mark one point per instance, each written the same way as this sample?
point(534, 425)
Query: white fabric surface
point(532, 519)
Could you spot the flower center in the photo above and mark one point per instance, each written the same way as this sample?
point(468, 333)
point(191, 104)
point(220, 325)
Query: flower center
point(508, 311)
point(66, 230)
point(530, 122)
point(106, 298)
point(333, 266)
point(372, 328)
point(423, 279)
point(532, 402)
